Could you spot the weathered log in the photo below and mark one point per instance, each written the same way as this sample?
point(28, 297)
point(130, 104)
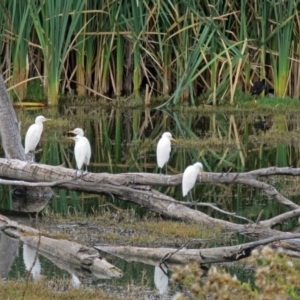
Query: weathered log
point(38, 172)
point(85, 257)
point(10, 127)
point(134, 187)
point(74, 269)
point(204, 256)
point(8, 252)
point(77, 254)
point(14, 229)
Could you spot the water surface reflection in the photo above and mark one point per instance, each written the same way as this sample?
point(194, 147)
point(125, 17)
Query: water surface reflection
point(124, 140)
point(18, 259)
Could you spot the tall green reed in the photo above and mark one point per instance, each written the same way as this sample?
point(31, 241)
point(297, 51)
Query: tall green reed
point(55, 23)
point(283, 14)
point(179, 50)
point(20, 30)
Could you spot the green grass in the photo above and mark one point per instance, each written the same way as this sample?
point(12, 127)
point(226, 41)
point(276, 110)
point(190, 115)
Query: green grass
point(50, 290)
point(275, 103)
point(127, 227)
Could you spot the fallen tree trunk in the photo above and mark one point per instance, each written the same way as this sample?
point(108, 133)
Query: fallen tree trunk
point(77, 254)
point(134, 187)
point(10, 127)
point(98, 182)
point(204, 256)
point(11, 246)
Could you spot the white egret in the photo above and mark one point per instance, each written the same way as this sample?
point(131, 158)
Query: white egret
point(34, 133)
point(163, 149)
point(77, 131)
point(82, 149)
point(190, 176)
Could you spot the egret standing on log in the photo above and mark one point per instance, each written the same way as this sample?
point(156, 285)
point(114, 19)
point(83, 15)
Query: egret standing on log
point(34, 133)
point(82, 149)
point(163, 150)
point(190, 176)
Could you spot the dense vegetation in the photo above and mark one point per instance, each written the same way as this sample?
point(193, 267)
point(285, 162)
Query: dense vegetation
point(176, 50)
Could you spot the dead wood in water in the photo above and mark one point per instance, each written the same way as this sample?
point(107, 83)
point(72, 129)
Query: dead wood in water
point(76, 254)
point(136, 188)
point(203, 256)
point(84, 257)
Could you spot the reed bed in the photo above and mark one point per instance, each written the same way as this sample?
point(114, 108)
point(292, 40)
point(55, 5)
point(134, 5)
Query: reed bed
point(189, 51)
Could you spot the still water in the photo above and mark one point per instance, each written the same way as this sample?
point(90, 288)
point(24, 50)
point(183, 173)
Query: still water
point(124, 140)
point(19, 261)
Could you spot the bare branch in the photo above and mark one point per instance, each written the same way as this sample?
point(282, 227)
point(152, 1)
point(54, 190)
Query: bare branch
point(207, 255)
point(281, 218)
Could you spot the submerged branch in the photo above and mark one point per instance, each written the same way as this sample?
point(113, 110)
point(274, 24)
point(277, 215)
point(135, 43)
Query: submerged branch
point(208, 255)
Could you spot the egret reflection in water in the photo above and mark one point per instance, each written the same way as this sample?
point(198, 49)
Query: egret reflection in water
point(163, 150)
point(29, 254)
point(161, 279)
point(75, 281)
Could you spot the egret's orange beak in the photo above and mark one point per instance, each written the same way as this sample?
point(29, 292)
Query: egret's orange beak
point(172, 139)
point(72, 131)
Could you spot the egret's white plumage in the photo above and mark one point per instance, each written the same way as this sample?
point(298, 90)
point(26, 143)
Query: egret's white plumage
point(163, 149)
point(77, 131)
point(82, 149)
point(190, 176)
point(34, 133)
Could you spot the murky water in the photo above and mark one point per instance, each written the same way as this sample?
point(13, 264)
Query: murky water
point(125, 141)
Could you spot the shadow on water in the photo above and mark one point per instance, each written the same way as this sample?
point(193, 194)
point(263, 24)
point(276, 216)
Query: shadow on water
point(124, 140)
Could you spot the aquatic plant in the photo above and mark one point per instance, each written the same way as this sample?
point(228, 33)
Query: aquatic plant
point(178, 51)
point(276, 277)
